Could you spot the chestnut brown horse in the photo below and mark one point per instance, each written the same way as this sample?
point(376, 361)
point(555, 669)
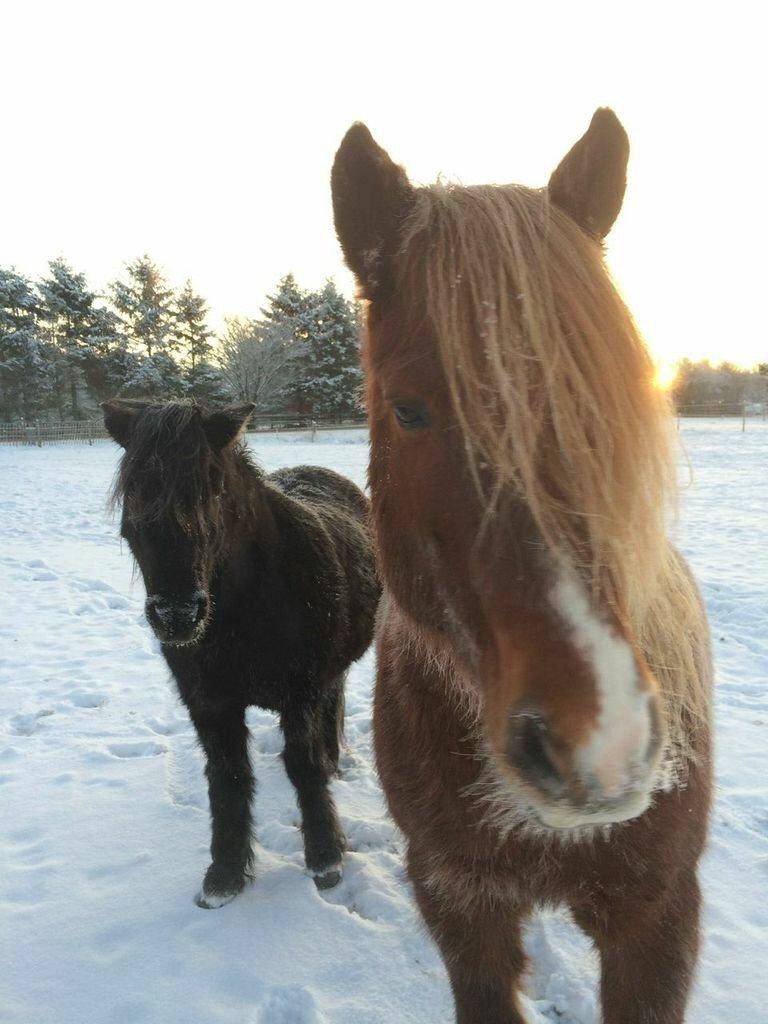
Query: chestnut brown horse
point(542, 711)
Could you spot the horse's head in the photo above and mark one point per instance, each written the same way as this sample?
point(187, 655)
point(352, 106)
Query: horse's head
point(518, 461)
point(170, 484)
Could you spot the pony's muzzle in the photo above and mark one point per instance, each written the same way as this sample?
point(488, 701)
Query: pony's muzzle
point(176, 619)
point(608, 779)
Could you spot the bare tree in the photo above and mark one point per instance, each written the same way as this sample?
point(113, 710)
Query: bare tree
point(258, 360)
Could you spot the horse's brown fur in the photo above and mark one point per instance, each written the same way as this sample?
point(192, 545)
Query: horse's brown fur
point(546, 444)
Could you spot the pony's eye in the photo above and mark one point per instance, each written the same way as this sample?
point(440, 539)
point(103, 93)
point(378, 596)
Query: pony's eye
point(411, 415)
point(217, 482)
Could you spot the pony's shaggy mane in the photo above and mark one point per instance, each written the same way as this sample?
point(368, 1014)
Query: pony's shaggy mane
point(552, 387)
point(169, 469)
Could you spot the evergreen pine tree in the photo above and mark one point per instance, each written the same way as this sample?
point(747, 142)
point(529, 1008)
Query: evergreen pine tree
point(190, 332)
point(288, 317)
point(289, 303)
point(144, 303)
point(193, 342)
point(335, 379)
point(66, 310)
point(27, 372)
point(106, 353)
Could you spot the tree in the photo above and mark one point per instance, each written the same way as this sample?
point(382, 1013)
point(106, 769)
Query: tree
point(106, 354)
point(192, 340)
point(335, 382)
point(288, 304)
point(144, 303)
point(27, 372)
point(289, 313)
point(260, 359)
point(723, 386)
point(66, 309)
point(190, 333)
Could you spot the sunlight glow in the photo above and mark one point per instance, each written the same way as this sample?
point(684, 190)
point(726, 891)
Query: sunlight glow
point(665, 376)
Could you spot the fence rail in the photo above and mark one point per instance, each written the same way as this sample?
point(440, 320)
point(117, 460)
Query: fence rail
point(83, 431)
point(88, 431)
point(739, 411)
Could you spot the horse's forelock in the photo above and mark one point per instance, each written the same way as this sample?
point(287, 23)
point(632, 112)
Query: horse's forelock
point(552, 388)
point(165, 471)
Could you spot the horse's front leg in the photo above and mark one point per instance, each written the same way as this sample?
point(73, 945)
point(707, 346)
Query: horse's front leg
point(480, 942)
point(648, 951)
point(310, 765)
point(223, 736)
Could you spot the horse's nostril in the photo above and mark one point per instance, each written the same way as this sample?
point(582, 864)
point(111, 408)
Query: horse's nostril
point(529, 748)
point(174, 617)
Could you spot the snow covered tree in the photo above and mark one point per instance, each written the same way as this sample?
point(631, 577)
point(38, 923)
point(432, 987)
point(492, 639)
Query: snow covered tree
point(27, 372)
point(190, 333)
point(193, 341)
point(106, 352)
point(335, 382)
point(84, 335)
point(260, 359)
point(288, 304)
point(289, 312)
point(66, 311)
point(205, 383)
point(144, 303)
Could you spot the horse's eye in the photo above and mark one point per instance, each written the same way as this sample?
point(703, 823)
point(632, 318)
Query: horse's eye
point(411, 415)
point(217, 483)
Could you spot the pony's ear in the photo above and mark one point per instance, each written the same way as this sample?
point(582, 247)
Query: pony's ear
point(371, 197)
point(119, 418)
point(590, 180)
point(224, 426)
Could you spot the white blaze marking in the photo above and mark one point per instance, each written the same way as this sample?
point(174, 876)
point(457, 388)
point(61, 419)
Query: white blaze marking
point(622, 733)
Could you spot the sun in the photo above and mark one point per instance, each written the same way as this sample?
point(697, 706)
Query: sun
point(665, 376)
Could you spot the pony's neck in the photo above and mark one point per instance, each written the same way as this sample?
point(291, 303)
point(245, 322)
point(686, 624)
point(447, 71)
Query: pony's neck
point(249, 516)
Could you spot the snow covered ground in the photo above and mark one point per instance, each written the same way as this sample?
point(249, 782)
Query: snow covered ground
point(104, 824)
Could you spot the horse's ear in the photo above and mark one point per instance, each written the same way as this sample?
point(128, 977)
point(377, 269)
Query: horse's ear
point(590, 180)
point(371, 197)
point(224, 426)
point(119, 418)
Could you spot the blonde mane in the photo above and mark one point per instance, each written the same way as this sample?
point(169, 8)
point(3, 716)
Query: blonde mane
point(552, 387)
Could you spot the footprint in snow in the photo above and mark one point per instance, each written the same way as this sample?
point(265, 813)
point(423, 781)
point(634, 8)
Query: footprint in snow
point(26, 724)
point(288, 1004)
point(136, 748)
point(169, 727)
point(87, 698)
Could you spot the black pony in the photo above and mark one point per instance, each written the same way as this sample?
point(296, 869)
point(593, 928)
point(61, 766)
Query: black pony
point(262, 590)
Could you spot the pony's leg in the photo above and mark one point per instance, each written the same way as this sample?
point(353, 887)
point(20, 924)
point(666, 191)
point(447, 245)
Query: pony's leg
point(223, 736)
point(333, 721)
point(309, 768)
point(483, 953)
point(648, 953)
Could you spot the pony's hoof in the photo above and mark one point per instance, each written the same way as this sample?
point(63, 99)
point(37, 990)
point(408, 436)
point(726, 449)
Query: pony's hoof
point(213, 900)
point(328, 878)
point(221, 884)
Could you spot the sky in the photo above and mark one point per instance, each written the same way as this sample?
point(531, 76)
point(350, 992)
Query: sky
point(203, 134)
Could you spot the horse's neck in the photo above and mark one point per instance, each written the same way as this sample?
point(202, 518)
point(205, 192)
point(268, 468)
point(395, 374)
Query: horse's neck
point(250, 513)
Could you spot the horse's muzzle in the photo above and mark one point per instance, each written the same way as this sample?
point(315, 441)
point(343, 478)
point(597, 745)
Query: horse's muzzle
point(178, 620)
point(599, 784)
